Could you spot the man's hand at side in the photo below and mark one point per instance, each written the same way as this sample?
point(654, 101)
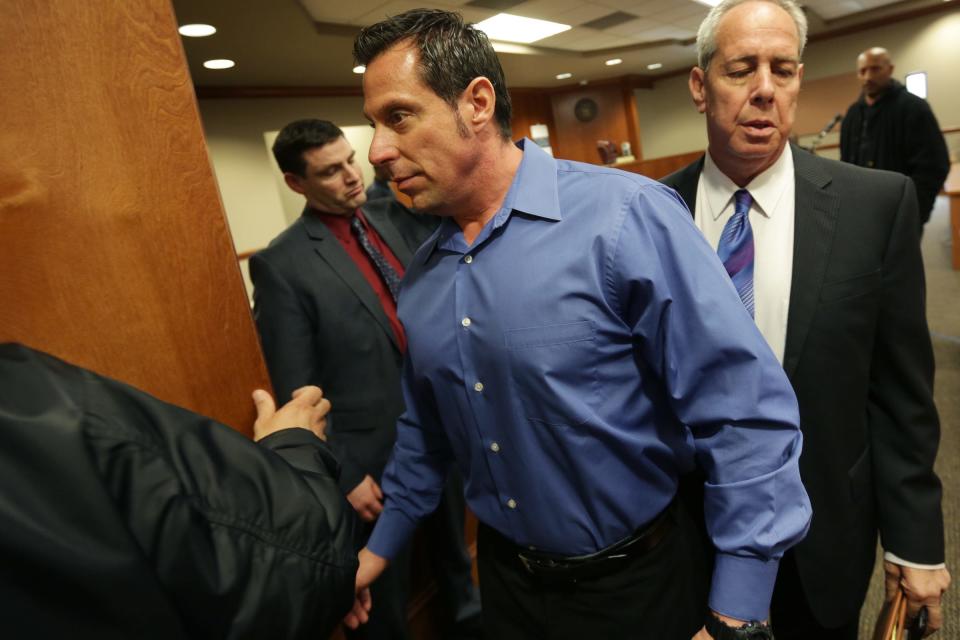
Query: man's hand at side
point(371, 566)
point(367, 499)
point(307, 410)
point(923, 588)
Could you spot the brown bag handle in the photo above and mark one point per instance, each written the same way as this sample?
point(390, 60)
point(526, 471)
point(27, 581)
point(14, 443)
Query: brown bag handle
point(893, 618)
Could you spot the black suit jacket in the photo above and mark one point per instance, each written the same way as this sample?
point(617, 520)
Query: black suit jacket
point(321, 323)
point(859, 357)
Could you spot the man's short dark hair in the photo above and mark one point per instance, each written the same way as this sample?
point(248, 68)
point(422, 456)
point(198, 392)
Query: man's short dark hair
point(301, 136)
point(452, 54)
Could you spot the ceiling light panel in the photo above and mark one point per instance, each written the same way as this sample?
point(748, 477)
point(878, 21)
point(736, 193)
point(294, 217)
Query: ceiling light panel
point(510, 28)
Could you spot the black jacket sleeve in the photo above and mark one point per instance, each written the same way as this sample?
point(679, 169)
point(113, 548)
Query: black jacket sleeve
point(243, 542)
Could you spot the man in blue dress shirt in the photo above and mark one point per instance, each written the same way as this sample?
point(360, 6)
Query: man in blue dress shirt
point(575, 346)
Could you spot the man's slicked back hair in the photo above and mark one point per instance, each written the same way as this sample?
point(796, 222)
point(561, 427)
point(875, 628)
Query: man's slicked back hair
point(298, 137)
point(452, 54)
point(707, 33)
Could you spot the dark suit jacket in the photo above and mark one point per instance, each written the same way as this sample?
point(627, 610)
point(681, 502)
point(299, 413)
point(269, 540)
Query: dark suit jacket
point(859, 357)
point(321, 323)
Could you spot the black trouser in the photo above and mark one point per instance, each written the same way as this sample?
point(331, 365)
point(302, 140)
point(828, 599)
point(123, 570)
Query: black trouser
point(660, 594)
point(790, 613)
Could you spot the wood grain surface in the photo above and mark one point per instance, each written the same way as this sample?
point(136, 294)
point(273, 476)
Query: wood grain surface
point(114, 248)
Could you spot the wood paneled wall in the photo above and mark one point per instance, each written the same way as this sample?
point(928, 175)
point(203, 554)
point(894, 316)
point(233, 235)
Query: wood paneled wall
point(114, 248)
point(616, 120)
point(571, 139)
point(530, 107)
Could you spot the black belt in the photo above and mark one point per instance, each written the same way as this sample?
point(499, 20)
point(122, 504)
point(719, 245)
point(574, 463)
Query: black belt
point(601, 563)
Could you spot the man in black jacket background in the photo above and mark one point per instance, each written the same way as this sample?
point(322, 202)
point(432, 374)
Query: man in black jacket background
point(890, 128)
point(126, 517)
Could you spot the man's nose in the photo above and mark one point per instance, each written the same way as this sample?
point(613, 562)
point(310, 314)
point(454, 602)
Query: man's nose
point(383, 148)
point(764, 88)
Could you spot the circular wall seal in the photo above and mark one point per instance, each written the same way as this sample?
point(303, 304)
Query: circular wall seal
point(585, 110)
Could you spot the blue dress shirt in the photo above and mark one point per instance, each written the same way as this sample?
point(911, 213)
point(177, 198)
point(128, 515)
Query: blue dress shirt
point(581, 354)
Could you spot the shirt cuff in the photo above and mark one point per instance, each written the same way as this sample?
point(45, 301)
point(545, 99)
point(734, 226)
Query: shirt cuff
point(889, 557)
point(391, 532)
point(742, 587)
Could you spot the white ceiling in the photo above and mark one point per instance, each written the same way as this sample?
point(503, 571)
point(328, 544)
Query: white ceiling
point(308, 43)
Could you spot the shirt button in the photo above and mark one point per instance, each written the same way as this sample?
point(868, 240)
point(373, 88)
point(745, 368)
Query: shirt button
point(478, 386)
point(465, 322)
point(495, 447)
point(512, 503)
point(468, 259)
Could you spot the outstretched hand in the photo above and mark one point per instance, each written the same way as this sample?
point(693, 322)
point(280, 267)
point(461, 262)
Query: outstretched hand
point(307, 410)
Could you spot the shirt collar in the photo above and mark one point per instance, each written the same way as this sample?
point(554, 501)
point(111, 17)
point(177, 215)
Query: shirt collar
point(533, 191)
point(765, 189)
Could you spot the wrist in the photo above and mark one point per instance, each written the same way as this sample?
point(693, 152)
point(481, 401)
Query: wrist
point(725, 628)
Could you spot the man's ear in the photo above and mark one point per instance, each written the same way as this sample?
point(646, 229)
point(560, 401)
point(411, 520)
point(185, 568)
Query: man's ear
point(698, 91)
point(294, 182)
point(478, 103)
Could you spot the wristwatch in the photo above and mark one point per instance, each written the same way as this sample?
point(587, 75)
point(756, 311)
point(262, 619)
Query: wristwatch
point(751, 631)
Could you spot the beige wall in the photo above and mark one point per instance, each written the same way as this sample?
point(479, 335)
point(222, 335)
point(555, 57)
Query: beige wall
point(235, 132)
point(669, 124)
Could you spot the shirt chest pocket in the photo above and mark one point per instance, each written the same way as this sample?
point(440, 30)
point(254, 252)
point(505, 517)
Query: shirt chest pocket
point(554, 371)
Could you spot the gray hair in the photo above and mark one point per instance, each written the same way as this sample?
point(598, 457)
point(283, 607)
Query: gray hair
point(707, 34)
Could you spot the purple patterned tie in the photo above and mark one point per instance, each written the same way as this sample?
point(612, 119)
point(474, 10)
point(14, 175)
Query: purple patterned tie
point(390, 276)
point(736, 248)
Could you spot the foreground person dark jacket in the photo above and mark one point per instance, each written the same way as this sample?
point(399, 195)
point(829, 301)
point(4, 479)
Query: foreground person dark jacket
point(125, 517)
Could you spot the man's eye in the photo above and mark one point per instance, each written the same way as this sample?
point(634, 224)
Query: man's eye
point(397, 117)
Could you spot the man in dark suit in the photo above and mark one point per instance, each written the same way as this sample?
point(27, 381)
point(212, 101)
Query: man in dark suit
point(325, 306)
point(826, 257)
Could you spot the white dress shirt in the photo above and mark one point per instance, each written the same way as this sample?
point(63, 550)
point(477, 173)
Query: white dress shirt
point(771, 219)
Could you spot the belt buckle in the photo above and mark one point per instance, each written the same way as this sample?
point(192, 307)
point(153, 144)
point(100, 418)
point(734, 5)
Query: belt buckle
point(535, 566)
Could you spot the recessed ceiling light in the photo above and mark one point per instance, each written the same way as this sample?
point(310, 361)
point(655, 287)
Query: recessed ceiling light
point(709, 3)
point(505, 26)
point(359, 68)
point(219, 64)
point(584, 82)
point(655, 66)
point(197, 30)
point(564, 76)
point(613, 61)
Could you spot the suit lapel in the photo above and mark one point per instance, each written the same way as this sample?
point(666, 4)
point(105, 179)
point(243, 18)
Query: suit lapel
point(817, 211)
point(686, 184)
point(329, 249)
